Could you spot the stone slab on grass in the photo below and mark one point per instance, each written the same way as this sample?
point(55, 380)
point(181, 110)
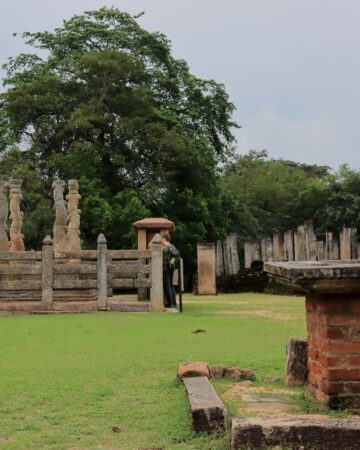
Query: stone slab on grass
point(208, 411)
point(295, 433)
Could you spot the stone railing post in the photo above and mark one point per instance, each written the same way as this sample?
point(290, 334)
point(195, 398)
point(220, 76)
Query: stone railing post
point(47, 273)
point(101, 273)
point(157, 290)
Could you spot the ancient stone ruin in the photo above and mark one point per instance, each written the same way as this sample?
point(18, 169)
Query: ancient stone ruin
point(16, 241)
point(4, 213)
point(302, 244)
point(66, 227)
point(332, 316)
point(61, 216)
point(73, 226)
point(16, 216)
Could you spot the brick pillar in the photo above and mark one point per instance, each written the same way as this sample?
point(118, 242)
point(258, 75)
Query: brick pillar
point(333, 323)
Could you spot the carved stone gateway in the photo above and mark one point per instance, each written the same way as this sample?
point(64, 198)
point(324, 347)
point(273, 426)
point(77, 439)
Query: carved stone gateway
point(4, 213)
point(16, 216)
point(60, 225)
point(73, 227)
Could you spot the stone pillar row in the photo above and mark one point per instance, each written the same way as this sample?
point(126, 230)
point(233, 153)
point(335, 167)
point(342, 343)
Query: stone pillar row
point(302, 245)
point(66, 228)
point(16, 241)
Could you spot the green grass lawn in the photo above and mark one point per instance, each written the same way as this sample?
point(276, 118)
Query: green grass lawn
point(67, 380)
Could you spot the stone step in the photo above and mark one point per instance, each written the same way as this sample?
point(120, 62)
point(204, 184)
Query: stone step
point(208, 411)
point(295, 432)
point(128, 306)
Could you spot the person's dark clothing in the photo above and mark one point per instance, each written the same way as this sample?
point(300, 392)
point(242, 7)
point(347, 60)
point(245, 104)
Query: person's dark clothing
point(168, 274)
point(170, 294)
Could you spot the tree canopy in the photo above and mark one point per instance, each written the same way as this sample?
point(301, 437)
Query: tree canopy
point(105, 101)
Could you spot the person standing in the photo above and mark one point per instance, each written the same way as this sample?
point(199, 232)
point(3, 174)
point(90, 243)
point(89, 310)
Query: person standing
point(169, 252)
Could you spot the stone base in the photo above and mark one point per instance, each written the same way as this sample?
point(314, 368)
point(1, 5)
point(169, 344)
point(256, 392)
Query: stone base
point(295, 433)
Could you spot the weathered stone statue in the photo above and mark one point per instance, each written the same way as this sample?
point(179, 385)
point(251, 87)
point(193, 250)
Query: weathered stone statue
point(60, 224)
point(73, 230)
point(4, 213)
point(16, 216)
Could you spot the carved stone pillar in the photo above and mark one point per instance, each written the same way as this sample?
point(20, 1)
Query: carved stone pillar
point(4, 213)
point(16, 216)
point(60, 224)
point(73, 229)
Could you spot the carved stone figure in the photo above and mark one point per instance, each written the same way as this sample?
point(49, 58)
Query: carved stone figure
point(4, 213)
point(60, 224)
point(16, 216)
point(73, 230)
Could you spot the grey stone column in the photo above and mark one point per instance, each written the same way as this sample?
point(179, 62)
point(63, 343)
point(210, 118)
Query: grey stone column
point(310, 241)
point(157, 290)
point(101, 273)
point(47, 273)
point(300, 244)
point(289, 245)
point(278, 247)
point(219, 259)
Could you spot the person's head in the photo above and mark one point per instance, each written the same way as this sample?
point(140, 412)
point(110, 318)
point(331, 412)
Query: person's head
point(165, 238)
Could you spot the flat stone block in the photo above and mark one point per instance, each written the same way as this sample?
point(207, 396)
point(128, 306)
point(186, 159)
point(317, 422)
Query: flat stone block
point(208, 411)
point(295, 432)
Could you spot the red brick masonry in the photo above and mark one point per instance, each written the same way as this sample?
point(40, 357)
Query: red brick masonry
point(333, 323)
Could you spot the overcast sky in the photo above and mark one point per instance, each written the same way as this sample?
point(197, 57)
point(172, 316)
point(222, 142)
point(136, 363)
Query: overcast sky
point(291, 67)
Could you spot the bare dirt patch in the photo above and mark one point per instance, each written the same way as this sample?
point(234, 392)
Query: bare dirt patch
point(237, 389)
point(216, 302)
point(258, 313)
point(261, 399)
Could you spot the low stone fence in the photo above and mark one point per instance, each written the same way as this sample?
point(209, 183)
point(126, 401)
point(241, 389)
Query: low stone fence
point(80, 280)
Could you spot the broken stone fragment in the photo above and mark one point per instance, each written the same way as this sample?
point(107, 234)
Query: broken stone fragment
point(216, 371)
point(193, 369)
point(239, 374)
point(296, 369)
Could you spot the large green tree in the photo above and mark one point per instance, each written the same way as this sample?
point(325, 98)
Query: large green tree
point(104, 100)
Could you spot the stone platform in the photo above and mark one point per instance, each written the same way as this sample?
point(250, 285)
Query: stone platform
point(296, 433)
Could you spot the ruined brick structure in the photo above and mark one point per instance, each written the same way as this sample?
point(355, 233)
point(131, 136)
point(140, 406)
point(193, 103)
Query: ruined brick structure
point(333, 323)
